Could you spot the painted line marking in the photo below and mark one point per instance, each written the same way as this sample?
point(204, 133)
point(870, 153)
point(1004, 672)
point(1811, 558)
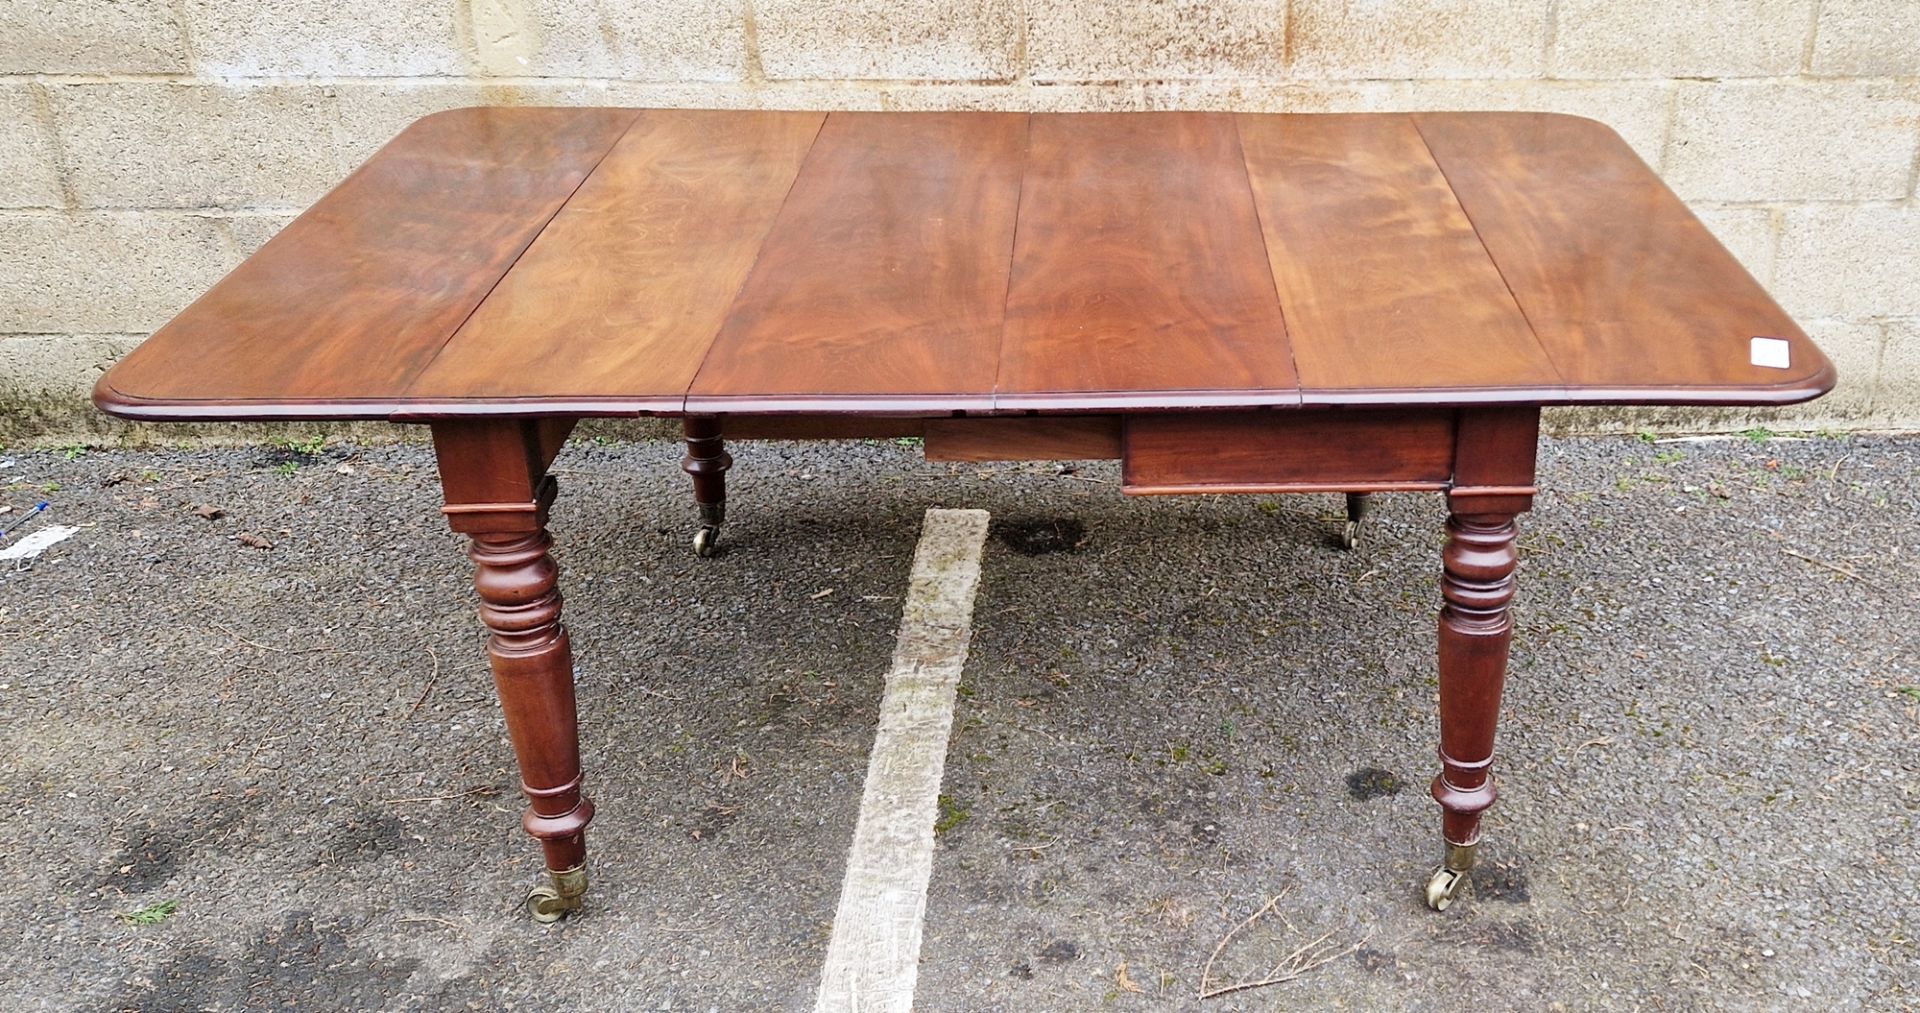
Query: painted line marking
point(873, 958)
point(38, 542)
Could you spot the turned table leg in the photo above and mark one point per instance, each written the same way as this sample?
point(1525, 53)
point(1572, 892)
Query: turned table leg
point(1475, 631)
point(707, 461)
point(1493, 483)
point(497, 493)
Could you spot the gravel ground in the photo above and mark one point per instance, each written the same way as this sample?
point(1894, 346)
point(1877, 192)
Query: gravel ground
point(1175, 710)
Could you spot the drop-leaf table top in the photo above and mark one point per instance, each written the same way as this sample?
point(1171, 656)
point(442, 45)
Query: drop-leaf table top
point(537, 262)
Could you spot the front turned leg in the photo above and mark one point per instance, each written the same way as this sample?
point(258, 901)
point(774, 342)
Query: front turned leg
point(707, 461)
point(1475, 632)
point(533, 671)
point(497, 492)
point(1357, 504)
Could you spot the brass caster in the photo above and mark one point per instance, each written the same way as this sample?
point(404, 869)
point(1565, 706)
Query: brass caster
point(1357, 505)
point(1444, 887)
point(545, 906)
point(1451, 876)
point(706, 541)
point(550, 902)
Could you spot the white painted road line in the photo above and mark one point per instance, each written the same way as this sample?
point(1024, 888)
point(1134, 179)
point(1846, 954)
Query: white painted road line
point(874, 955)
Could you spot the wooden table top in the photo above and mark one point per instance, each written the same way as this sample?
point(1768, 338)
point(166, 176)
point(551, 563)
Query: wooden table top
point(590, 261)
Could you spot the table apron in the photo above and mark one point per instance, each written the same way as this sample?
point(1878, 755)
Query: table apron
point(1483, 452)
point(1322, 451)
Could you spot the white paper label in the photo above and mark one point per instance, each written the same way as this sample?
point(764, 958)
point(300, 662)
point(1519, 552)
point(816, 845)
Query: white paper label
point(1770, 352)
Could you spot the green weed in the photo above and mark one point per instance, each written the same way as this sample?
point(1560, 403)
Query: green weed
point(152, 914)
point(952, 815)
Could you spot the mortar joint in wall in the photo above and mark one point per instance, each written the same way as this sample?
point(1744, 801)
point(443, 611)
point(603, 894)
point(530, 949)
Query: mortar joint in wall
point(1669, 128)
point(465, 38)
point(1776, 221)
point(46, 120)
point(1550, 38)
point(1878, 378)
point(1812, 36)
point(182, 25)
point(1913, 171)
point(1287, 31)
point(755, 71)
point(1022, 70)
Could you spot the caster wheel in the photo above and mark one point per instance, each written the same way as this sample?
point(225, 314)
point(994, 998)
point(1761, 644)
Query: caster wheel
point(1444, 887)
point(551, 901)
point(1350, 536)
point(706, 542)
point(545, 905)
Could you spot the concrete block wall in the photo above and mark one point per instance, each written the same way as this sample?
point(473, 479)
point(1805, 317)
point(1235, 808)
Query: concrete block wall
point(149, 145)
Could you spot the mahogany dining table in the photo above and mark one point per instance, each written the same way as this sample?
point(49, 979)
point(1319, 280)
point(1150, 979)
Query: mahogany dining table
point(1224, 302)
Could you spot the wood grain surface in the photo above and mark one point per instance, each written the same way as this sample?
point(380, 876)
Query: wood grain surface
point(1341, 450)
point(1632, 298)
point(885, 276)
point(574, 262)
point(354, 298)
point(639, 269)
point(1036, 438)
point(1384, 282)
point(1139, 274)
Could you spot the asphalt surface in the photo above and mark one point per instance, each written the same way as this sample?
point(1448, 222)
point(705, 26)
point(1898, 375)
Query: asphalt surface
point(241, 777)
